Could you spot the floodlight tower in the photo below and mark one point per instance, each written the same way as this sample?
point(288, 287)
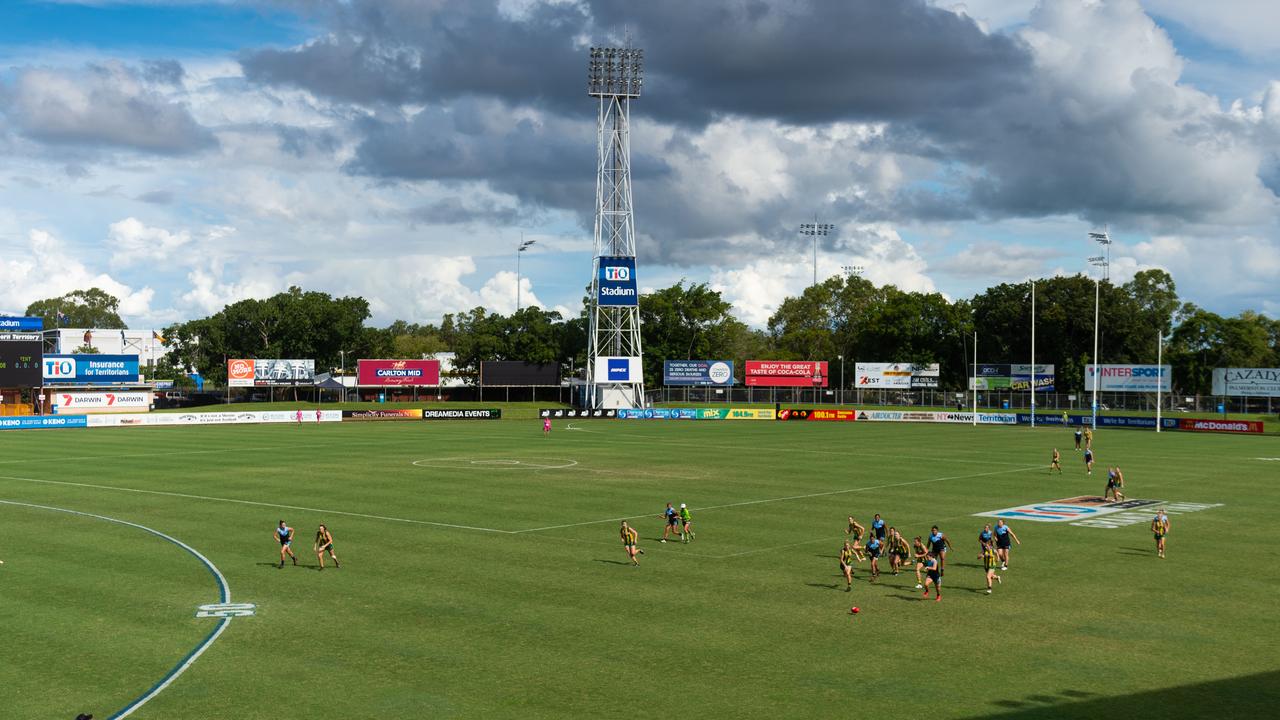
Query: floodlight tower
point(614, 77)
point(1104, 239)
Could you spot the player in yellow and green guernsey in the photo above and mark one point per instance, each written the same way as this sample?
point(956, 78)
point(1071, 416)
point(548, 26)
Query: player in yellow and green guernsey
point(686, 524)
point(630, 538)
point(846, 565)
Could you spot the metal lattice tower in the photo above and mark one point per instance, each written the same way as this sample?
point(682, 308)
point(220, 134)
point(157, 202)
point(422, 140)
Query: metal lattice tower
point(614, 77)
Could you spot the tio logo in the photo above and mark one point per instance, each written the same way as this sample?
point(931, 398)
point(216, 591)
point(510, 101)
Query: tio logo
point(617, 274)
point(225, 610)
point(60, 368)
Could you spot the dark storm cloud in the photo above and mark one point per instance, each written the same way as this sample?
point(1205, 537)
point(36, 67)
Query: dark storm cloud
point(797, 62)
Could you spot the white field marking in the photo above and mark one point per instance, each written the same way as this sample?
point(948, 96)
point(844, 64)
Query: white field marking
point(649, 546)
point(1268, 459)
point(470, 463)
point(793, 497)
point(259, 504)
point(649, 440)
point(163, 454)
point(224, 591)
point(828, 538)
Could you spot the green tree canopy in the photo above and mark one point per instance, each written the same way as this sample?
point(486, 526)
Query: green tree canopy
point(92, 308)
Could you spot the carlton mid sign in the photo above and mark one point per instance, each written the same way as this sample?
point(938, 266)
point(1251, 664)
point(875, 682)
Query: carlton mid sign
point(786, 373)
point(398, 372)
point(1128, 378)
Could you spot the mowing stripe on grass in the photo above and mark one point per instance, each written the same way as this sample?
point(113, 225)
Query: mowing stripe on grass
point(254, 502)
point(163, 454)
point(224, 595)
point(792, 497)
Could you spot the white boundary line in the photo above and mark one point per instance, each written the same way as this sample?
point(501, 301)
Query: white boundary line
point(255, 502)
point(791, 497)
point(224, 592)
point(163, 454)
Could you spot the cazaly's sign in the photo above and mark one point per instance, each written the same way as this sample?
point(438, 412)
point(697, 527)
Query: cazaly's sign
point(1246, 382)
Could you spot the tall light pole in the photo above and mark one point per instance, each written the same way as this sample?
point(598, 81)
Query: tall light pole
point(816, 229)
point(1033, 354)
point(1159, 371)
point(1104, 239)
point(841, 378)
point(1103, 262)
point(975, 378)
point(524, 245)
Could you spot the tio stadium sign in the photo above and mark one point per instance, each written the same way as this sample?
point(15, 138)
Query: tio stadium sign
point(398, 372)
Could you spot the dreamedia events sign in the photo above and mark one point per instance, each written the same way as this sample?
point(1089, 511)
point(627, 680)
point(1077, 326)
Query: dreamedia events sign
point(462, 414)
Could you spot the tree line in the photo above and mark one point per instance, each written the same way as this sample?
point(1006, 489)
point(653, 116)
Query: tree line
point(843, 316)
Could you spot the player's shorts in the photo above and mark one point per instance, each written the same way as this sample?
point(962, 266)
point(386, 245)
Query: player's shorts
point(873, 553)
point(673, 521)
point(1003, 544)
point(328, 547)
point(844, 567)
point(880, 533)
point(935, 576)
point(1159, 536)
point(285, 543)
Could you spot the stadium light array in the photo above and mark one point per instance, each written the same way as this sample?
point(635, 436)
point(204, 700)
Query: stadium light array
point(616, 72)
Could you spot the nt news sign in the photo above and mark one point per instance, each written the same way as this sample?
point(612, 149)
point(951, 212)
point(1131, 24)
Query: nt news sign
point(616, 281)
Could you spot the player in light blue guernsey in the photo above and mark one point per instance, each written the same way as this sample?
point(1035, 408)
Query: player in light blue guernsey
point(284, 534)
point(878, 527)
point(1004, 537)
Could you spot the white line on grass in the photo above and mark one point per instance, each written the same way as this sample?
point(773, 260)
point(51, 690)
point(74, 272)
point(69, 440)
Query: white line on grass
point(792, 497)
point(224, 593)
point(163, 454)
point(259, 504)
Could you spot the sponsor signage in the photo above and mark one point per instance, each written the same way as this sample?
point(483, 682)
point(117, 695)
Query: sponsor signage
point(697, 372)
point(239, 373)
point(462, 414)
point(518, 373)
point(394, 414)
point(1112, 520)
point(89, 369)
point(786, 373)
point(1015, 377)
point(21, 324)
point(1127, 378)
point(658, 414)
point(95, 402)
point(625, 370)
point(899, 376)
point(218, 418)
point(556, 413)
point(937, 417)
point(397, 372)
point(1246, 382)
point(1067, 509)
point(20, 356)
point(1049, 417)
point(818, 415)
point(617, 282)
point(1227, 426)
point(43, 421)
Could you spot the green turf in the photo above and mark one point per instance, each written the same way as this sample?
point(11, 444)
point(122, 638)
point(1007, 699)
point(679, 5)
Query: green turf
point(749, 620)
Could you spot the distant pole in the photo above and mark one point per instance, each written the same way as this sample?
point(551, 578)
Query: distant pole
point(1033, 354)
point(975, 378)
point(1159, 371)
point(815, 229)
point(1097, 378)
point(841, 380)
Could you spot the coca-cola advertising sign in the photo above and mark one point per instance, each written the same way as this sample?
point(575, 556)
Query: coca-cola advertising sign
point(786, 373)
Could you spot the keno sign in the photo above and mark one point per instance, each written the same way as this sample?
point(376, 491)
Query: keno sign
point(1246, 382)
point(1127, 378)
point(398, 372)
point(786, 373)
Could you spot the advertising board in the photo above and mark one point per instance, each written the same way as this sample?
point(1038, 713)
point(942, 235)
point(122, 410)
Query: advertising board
point(239, 373)
point(518, 373)
point(617, 282)
point(1246, 382)
point(624, 370)
point(1067, 509)
point(697, 372)
point(20, 356)
point(937, 417)
point(1128, 378)
point(570, 413)
point(89, 369)
point(215, 418)
point(284, 372)
point(898, 376)
point(462, 414)
point(38, 422)
point(21, 324)
point(1005, 376)
point(397, 372)
point(786, 373)
point(818, 415)
point(100, 402)
point(1227, 426)
point(393, 414)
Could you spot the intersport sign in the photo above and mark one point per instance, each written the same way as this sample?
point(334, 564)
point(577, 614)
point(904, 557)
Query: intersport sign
point(1127, 378)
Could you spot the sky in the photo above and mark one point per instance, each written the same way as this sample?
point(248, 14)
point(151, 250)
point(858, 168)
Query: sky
point(183, 155)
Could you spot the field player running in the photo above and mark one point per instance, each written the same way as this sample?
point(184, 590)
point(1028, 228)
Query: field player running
point(874, 549)
point(284, 534)
point(921, 554)
point(1160, 528)
point(1088, 460)
point(1079, 437)
point(989, 561)
point(938, 544)
point(686, 524)
point(673, 522)
point(933, 575)
point(856, 531)
point(846, 565)
point(1056, 463)
point(324, 542)
point(899, 551)
point(629, 539)
point(1004, 534)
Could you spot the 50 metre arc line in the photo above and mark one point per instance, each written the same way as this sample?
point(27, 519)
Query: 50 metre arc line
point(224, 596)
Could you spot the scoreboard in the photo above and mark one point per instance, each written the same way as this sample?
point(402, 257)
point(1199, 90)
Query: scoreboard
point(20, 356)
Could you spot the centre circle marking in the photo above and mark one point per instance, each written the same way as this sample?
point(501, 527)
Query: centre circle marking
point(476, 463)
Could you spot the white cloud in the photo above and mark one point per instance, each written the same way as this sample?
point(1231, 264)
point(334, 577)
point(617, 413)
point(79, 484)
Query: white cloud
point(133, 243)
point(48, 269)
point(1245, 25)
point(996, 262)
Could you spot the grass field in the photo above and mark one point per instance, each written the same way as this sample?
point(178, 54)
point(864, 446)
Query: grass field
point(487, 579)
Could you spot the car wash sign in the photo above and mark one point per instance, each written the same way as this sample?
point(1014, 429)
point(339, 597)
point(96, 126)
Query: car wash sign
point(617, 282)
